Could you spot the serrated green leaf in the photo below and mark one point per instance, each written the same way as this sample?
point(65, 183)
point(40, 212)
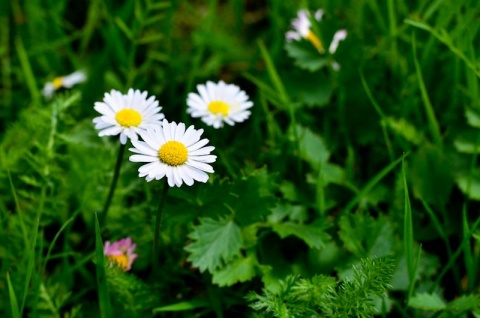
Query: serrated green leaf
point(461, 305)
point(215, 243)
point(287, 211)
point(429, 302)
point(312, 148)
point(249, 235)
point(239, 270)
point(313, 235)
point(305, 55)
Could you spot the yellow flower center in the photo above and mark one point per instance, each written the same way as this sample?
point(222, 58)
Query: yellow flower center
point(315, 41)
point(57, 82)
point(128, 117)
point(120, 260)
point(173, 153)
point(219, 107)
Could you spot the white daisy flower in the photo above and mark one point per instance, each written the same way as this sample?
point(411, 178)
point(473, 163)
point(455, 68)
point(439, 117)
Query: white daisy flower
point(126, 115)
point(302, 29)
point(67, 81)
point(219, 103)
point(174, 152)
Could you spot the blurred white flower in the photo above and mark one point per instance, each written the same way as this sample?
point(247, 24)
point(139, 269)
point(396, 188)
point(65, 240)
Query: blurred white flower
point(127, 115)
point(340, 35)
point(173, 152)
point(302, 29)
point(220, 103)
point(301, 26)
point(67, 81)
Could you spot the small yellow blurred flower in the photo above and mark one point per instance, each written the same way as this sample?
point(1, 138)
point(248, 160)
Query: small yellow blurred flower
point(67, 81)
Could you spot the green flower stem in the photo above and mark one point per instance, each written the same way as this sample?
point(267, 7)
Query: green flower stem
point(158, 224)
point(118, 165)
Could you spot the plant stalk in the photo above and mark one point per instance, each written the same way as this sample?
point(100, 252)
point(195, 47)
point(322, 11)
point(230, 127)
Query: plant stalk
point(158, 224)
point(113, 186)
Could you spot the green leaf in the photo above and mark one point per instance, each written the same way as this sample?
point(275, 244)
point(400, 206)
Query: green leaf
point(473, 117)
point(312, 148)
point(281, 212)
point(313, 89)
point(465, 146)
point(462, 304)
point(429, 302)
point(430, 175)
point(215, 243)
point(470, 185)
point(240, 270)
point(468, 142)
point(305, 55)
point(331, 173)
point(313, 235)
point(250, 197)
point(364, 235)
point(403, 128)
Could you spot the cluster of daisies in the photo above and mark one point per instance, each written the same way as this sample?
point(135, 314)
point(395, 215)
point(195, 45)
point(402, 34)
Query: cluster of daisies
point(169, 149)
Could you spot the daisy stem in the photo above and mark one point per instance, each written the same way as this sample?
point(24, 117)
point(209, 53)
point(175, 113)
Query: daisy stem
point(158, 224)
point(118, 165)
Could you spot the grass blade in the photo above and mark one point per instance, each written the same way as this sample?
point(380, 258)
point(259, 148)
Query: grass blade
point(443, 37)
point(380, 113)
point(52, 244)
point(184, 305)
point(30, 264)
point(27, 69)
point(103, 295)
point(273, 74)
point(453, 258)
point(467, 250)
point(370, 184)
point(408, 233)
point(432, 120)
point(13, 299)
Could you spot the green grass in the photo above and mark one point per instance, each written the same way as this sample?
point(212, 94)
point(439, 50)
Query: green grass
point(335, 176)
